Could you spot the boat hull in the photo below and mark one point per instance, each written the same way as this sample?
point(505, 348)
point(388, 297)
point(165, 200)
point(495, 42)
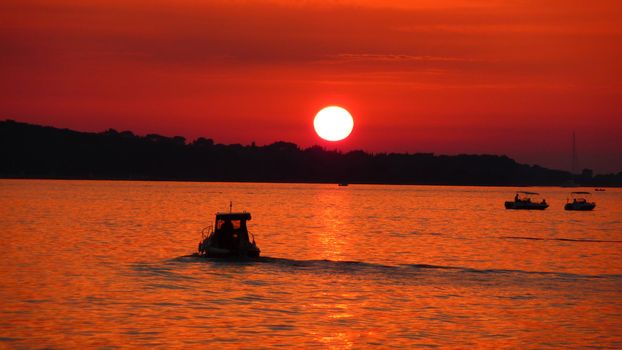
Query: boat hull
point(580, 206)
point(213, 252)
point(525, 205)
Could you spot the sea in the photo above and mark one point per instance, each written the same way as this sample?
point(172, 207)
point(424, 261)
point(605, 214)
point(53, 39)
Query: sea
point(110, 264)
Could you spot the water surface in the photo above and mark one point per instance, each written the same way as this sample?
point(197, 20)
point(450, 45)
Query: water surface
point(107, 264)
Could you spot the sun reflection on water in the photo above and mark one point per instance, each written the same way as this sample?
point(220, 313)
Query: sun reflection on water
point(334, 216)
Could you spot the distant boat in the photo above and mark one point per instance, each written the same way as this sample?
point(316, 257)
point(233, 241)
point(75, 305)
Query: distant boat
point(599, 189)
point(343, 184)
point(579, 201)
point(229, 238)
point(523, 200)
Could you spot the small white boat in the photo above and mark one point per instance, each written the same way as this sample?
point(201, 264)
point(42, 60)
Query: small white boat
point(579, 201)
point(526, 200)
point(229, 238)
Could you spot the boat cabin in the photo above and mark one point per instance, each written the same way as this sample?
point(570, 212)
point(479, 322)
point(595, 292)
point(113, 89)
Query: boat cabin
point(579, 201)
point(230, 230)
point(524, 196)
point(527, 200)
point(580, 197)
point(237, 220)
point(230, 237)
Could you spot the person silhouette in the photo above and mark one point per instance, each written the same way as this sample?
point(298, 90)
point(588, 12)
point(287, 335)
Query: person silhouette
point(227, 234)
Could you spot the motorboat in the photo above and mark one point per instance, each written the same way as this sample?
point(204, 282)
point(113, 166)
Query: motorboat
point(579, 201)
point(599, 189)
point(229, 238)
point(527, 201)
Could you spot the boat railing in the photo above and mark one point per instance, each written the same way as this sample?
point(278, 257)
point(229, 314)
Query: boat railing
point(251, 236)
point(206, 232)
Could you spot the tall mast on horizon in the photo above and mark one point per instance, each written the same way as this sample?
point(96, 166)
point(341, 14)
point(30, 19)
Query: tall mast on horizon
point(574, 154)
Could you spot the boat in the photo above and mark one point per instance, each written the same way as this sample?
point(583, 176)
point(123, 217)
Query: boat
point(343, 184)
point(599, 189)
point(579, 201)
point(524, 200)
point(229, 238)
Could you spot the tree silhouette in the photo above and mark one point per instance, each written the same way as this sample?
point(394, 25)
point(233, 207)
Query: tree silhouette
point(32, 151)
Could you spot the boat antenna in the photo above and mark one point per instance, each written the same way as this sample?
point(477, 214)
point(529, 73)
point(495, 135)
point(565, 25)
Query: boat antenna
point(230, 206)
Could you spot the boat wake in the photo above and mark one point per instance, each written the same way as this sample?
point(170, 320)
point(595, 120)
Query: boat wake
point(580, 240)
point(399, 271)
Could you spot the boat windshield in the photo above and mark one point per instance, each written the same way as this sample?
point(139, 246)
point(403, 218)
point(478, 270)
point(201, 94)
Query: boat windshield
point(236, 223)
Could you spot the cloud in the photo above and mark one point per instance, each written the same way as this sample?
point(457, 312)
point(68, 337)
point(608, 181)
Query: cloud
point(276, 32)
point(392, 58)
point(486, 42)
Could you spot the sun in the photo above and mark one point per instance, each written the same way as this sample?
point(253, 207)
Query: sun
point(333, 123)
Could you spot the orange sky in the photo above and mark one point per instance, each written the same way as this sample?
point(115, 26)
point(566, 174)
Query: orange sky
point(501, 77)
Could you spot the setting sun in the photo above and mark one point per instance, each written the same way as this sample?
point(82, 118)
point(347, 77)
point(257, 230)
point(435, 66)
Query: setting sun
point(333, 123)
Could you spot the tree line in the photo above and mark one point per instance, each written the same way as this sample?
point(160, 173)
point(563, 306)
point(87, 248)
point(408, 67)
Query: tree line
point(33, 151)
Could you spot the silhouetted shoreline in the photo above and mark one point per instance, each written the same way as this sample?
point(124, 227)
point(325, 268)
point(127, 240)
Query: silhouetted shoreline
point(30, 151)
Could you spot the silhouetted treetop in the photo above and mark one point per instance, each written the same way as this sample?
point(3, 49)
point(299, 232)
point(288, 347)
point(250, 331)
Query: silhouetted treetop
point(32, 151)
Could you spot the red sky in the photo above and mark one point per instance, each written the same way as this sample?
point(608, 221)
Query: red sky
point(456, 76)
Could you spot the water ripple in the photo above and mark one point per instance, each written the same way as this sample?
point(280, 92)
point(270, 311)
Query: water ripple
point(579, 240)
